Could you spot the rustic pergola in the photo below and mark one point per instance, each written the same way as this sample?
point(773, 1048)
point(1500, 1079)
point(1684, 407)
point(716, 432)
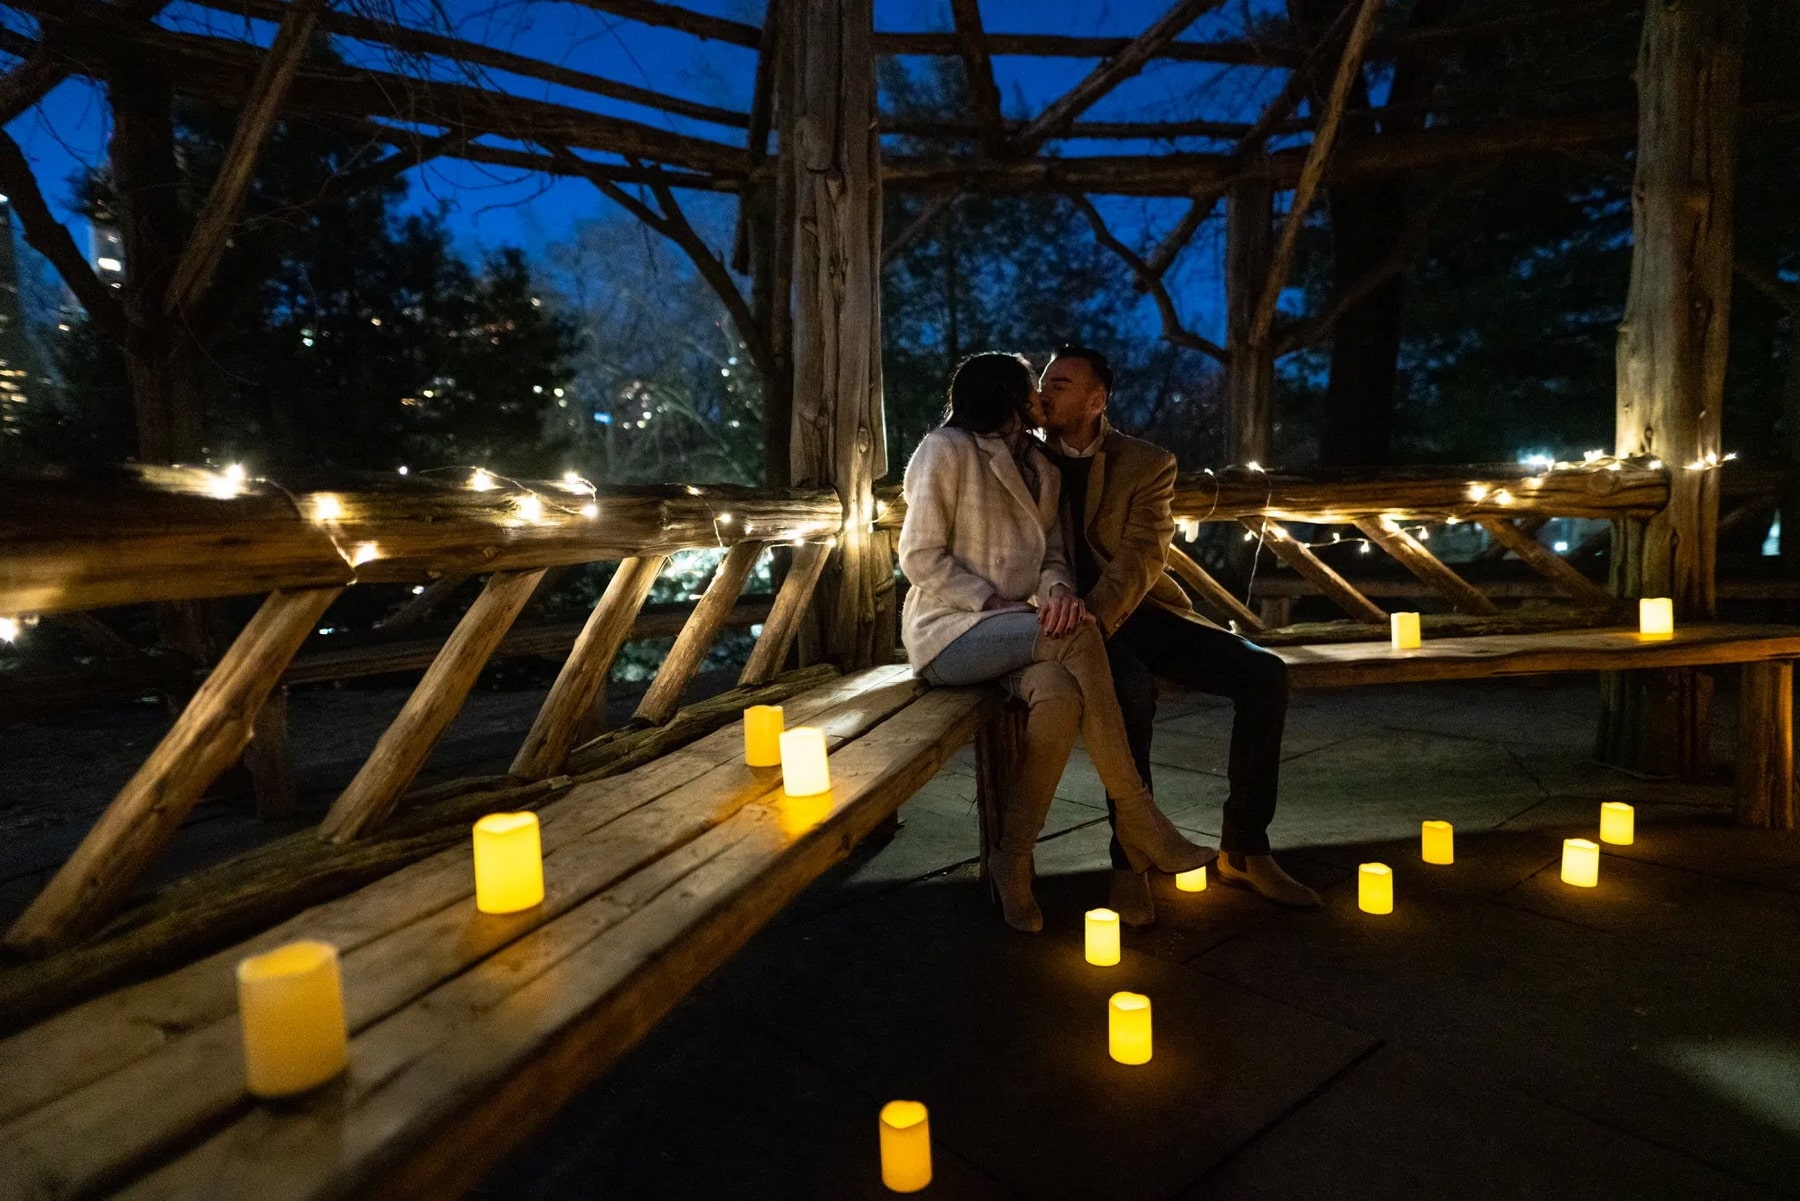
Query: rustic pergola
point(808, 165)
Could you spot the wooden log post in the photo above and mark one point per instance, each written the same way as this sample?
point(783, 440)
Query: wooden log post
point(839, 435)
point(406, 743)
point(206, 738)
point(663, 696)
point(1671, 356)
point(1250, 367)
point(561, 722)
point(1765, 750)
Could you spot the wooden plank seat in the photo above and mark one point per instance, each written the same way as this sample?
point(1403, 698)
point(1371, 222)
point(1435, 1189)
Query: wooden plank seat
point(1764, 654)
point(467, 1029)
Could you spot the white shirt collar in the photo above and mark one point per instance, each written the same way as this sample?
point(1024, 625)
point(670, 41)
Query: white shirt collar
point(1070, 452)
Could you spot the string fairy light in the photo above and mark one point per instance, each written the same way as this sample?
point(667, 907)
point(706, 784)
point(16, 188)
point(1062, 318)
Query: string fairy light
point(10, 629)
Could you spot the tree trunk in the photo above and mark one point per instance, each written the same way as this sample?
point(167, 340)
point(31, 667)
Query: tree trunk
point(1250, 374)
point(1366, 222)
point(839, 438)
point(1671, 354)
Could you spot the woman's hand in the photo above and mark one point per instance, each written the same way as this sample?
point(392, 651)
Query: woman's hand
point(1062, 614)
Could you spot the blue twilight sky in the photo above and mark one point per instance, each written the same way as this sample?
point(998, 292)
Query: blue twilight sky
point(490, 207)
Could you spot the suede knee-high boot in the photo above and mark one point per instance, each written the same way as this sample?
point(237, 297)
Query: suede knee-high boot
point(1150, 839)
point(1054, 702)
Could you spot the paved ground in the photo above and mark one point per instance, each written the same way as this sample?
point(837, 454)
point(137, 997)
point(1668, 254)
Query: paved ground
point(1499, 1035)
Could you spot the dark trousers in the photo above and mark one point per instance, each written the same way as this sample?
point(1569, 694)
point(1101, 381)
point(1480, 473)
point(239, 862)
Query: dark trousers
point(1154, 643)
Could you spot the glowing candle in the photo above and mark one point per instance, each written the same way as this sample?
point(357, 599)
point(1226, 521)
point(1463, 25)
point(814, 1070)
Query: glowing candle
point(291, 1002)
point(1656, 617)
point(905, 1146)
point(509, 863)
point(1437, 842)
point(1618, 823)
point(1581, 862)
point(1128, 1027)
point(803, 765)
point(1194, 881)
point(1404, 628)
point(1375, 888)
point(1102, 937)
point(762, 735)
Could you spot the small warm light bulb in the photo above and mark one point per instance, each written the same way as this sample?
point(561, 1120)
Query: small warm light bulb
point(367, 552)
point(1478, 492)
point(590, 511)
point(236, 473)
point(403, 469)
point(1375, 888)
point(905, 1146)
point(1194, 881)
point(509, 863)
point(1618, 823)
point(573, 482)
point(529, 507)
point(1581, 862)
point(481, 481)
point(1102, 947)
point(9, 629)
point(1128, 1027)
point(1437, 842)
point(327, 506)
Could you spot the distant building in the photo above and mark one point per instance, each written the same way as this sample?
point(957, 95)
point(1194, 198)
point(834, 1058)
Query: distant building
point(106, 251)
point(15, 345)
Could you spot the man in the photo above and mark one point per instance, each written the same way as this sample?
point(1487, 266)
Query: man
point(1117, 492)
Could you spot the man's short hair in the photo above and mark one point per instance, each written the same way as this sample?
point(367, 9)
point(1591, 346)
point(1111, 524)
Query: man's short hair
point(1093, 358)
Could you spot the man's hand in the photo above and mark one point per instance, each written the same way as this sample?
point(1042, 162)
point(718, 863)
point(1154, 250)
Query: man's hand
point(1062, 614)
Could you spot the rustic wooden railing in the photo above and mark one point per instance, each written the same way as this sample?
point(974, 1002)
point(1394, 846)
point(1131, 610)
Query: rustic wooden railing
point(74, 543)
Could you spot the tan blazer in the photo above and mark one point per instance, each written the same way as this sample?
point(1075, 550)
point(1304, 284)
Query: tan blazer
point(973, 530)
point(1129, 523)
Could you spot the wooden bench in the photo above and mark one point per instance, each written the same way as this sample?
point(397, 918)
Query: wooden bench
point(468, 1029)
point(1764, 654)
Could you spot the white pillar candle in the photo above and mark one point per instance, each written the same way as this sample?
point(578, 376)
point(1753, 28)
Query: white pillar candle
point(1102, 937)
point(804, 767)
point(1404, 629)
point(291, 1003)
point(1618, 823)
point(1656, 617)
point(1581, 862)
point(1375, 888)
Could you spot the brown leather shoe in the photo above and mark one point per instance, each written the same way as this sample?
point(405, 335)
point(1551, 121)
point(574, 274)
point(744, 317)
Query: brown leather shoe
point(1128, 895)
point(1262, 875)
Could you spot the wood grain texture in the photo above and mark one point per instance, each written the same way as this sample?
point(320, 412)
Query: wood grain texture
point(1330, 584)
point(1765, 747)
point(1498, 655)
point(1546, 562)
point(696, 638)
point(1210, 591)
point(559, 722)
point(1411, 554)
point(208, 737)
point(406, 743)
point(791, 601)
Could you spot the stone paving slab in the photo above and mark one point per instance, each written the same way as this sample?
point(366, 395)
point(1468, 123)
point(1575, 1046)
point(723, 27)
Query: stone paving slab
point(1594, 1022)
point(924, 994)
point(1398, 1126)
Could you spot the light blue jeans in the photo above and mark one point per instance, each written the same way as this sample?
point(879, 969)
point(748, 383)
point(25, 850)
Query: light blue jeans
point(991, 649)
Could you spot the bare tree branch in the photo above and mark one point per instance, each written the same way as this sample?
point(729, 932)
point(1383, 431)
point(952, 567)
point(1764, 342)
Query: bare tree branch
point(1312, 172)
point(1151, 281)
point(984, 93)
point(52, 240)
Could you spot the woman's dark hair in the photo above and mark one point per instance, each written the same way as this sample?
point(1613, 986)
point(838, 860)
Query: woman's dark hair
point(989, 390)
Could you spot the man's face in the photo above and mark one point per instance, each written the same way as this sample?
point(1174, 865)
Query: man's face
point(1073, 396)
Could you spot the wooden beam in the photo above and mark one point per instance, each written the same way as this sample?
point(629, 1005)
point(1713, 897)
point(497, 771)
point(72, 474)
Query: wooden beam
point(406, 743)
point(208, 737)
point(1312, 171)
point(1411, 554)
point(1765, 747)
point(684, 658)
point(1128, 61)
point(1250, 365)
point(791, 601)
point(1213, 593)
point(686, 20)
point(561, 720)
point(1330, 584)
point(984, 94)
point(1546, 562)
point(255, 122)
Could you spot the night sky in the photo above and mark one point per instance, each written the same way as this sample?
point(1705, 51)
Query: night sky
point(491, 207)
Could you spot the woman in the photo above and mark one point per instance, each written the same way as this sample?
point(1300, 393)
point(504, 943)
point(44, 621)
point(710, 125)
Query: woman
point(982, 541)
